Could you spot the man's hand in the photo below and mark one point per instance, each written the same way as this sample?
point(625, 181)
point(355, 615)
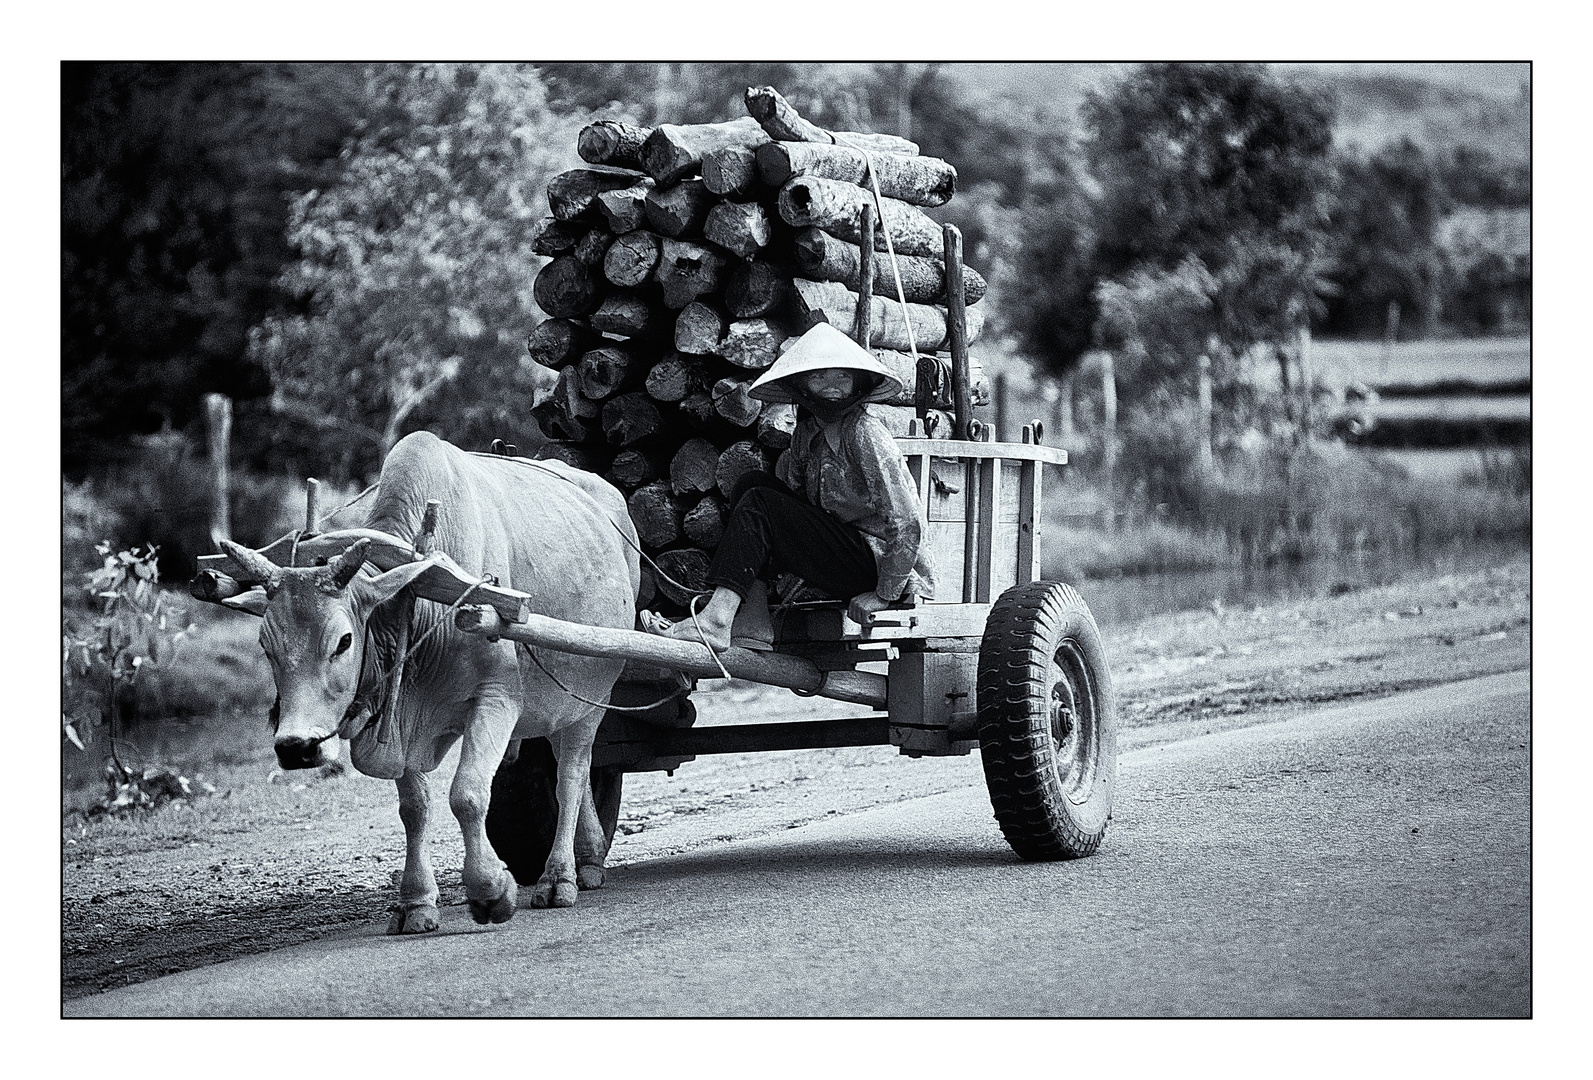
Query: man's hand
point(863, 605)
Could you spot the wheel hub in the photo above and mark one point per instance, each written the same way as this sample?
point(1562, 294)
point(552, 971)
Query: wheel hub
point(1072, 720)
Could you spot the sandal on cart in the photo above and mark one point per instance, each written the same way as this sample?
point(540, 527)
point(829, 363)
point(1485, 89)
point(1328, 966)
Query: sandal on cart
point(652, 622)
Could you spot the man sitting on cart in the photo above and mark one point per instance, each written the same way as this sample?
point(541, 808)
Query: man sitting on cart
point(841, 511)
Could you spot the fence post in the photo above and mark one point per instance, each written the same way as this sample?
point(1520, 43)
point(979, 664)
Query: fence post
point(1203, 394)
point(1108, 440)
point(218, 444)
point(1306, 380)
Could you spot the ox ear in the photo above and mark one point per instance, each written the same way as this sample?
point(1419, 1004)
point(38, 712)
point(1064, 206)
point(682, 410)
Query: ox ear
point(254, 601)
point(370, 591)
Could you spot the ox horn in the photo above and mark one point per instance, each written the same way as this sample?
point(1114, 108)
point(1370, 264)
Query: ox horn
point(343, 567)
point(255, 564)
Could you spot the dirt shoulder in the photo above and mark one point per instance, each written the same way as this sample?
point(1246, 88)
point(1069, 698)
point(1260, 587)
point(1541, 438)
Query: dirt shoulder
point(277, 859)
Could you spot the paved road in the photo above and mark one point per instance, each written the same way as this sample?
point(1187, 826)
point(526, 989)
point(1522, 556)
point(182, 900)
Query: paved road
point(1363, 860)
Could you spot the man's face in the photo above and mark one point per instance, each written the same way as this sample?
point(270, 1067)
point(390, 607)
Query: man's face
point(830, 385)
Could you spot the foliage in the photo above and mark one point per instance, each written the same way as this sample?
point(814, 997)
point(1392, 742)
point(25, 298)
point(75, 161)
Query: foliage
point(416, 263)
point(128, 634)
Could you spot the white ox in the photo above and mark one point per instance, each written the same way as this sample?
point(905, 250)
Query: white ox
point(547, 530)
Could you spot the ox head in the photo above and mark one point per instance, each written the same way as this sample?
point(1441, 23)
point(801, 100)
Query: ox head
point(314, 636)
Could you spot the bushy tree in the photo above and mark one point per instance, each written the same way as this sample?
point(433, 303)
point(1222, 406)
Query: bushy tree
point(416, 264)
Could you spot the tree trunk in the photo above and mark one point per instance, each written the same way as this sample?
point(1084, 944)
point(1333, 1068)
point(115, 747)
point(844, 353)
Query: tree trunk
point(836, 208)
point(731, 172)
point(785, 124)
point(681, 209)
point(688, 573)
point(922, 181)
point(732, 402)
point(1108, 441)
point(630, 418)
point(633, 468)
point(739, 227)
point(821, 257)
point(613, 143)
point(566, 288)
point(656, 513)
point(574, 194)
point(593, 247)
point(555, 237)
point(737, 460)
point(704, 524)
point(604, 371)
point(776, 425)
point(626, 208)
point(1203, 410)
point(674, 377)
point(691, 470)
point(218, 448)
point(830, 302)
point(698, 329)
point(751, 344)
point(633, 258)
point(628, 314)
point(756, 288)
point(687, 270)
point(673, 152)
point(557, 343)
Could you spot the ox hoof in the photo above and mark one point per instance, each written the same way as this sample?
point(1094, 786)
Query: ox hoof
point(589, 876)
point(500, 910)
point(413, 919)
point(554, 894)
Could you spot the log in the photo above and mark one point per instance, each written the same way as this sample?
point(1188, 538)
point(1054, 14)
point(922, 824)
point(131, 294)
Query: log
point(633, 468)
point(681, 209)
point(698, 408)
point(783, 123)
point(687, 570)
point(691, 470)
point(672, 378)
point(736, 461)
point(673, 152)
point(554, 423)
point(555, 237)
point(582, 456)
point(557, 343)
point(836, 208)
point(625, 209)
point(566, 288)
point(656, 514)
point(593, 247)
point(630, 418)
point(687, 270)
point(632, 258)
point(698, 329)
point(604, 371)
point(704, 524)
point(573, 194)
point(739, 227)
point(752, 344)
point(628, 314)
point(756, 288)
point(821, 257)
point(567, 393)
point(828, 301)
point(613, 143)
point(922, 181)
point(732, 401)
point(776, 425)
point(731, 172)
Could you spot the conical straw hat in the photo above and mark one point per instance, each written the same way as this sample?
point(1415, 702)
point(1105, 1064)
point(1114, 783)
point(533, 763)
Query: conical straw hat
point(822, 347)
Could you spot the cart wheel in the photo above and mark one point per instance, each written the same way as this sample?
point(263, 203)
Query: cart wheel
point(524, 812)
point(1047, 722)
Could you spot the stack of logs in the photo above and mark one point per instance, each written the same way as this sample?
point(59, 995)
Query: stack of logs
point(683, 265)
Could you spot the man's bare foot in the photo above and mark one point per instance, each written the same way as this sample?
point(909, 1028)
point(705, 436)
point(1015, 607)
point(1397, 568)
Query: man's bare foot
point(712, 623)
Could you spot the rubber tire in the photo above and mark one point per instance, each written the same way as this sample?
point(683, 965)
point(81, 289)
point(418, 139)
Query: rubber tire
point(524, 812)
point(1044, 814)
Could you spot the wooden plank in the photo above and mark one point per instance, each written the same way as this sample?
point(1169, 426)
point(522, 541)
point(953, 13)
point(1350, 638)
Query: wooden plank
point(989, 495)
point(959, 448)
point(1004, 553)
point(1029, 492)
point(970, 540)
point(444, 584)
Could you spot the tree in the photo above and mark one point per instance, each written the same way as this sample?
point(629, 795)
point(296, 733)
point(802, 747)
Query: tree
point(416, 264)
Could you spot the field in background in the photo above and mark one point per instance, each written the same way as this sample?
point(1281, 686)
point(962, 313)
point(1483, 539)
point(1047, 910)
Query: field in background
point(1477, 361)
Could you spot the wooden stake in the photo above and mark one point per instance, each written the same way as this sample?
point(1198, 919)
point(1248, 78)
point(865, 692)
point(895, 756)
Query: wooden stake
point(957, 333)
point(312, 505)
point(865, 290)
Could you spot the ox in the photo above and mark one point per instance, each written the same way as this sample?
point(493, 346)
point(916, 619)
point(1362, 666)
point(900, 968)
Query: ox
point(544, 529)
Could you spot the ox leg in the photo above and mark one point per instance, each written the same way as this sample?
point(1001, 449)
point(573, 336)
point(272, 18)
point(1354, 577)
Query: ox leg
point(489, 887)
point(416, 912)
point(591, 846)
point(572, 746)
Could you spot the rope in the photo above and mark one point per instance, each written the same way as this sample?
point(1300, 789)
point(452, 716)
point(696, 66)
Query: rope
point(679, 690)
point(890, 247)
